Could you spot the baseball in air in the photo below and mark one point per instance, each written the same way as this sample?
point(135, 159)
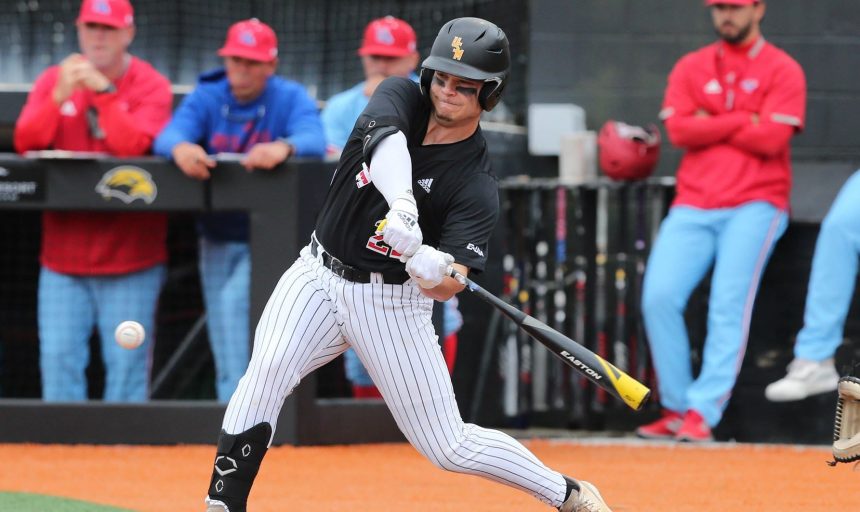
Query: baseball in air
point(129, 334)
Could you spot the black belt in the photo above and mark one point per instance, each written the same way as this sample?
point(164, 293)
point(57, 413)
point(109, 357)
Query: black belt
point(353, 274)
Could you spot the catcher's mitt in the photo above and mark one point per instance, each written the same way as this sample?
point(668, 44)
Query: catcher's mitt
point(846, 431)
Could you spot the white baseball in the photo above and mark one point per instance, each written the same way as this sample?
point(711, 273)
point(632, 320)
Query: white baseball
point(129, 334)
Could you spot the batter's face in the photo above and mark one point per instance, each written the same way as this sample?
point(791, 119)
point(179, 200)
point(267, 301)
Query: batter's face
point(248, 77)
point(737, 24)
point(455, 99)
point(104, 45)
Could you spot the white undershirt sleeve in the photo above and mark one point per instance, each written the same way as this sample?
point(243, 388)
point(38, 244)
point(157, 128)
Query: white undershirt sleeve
point(391, 168)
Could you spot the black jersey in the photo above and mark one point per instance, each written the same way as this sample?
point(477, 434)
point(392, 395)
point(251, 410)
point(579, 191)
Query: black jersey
point(456, 192)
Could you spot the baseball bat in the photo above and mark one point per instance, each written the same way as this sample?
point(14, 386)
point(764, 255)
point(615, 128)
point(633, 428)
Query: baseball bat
point(578, 383)
point(620, 350)
point(540, 358)
point(559, 296)
point(601, 241)
point(595, 368)
point(641, 355)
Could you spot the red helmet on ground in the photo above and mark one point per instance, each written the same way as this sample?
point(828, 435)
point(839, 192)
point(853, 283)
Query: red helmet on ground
point(628, 153)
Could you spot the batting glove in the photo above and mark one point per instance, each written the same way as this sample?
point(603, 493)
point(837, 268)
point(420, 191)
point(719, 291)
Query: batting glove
point(429, 266)
point(401, 231)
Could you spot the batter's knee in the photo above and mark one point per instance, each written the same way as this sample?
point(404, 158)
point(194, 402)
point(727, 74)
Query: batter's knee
point(457, 452)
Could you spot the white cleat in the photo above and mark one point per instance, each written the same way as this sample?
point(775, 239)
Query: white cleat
point(586, 500)
point(804, 379)
point(215, 506)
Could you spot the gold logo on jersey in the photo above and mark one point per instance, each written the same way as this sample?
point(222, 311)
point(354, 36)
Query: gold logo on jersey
point(457, 45)
point(128, 183)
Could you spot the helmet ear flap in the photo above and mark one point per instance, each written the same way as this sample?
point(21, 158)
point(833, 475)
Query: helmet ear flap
point(424, 79)
point(490, 94)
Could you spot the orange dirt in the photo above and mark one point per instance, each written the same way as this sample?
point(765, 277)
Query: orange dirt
point(377, 478)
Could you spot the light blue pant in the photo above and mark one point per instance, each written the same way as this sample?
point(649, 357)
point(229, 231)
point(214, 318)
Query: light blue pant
point(357, 374)
point(737, 242)
point(69, 308)
point(834, 273)
point(225, 273)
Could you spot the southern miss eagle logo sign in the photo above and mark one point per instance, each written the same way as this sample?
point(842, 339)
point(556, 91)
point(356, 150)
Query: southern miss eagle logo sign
point(128, 183)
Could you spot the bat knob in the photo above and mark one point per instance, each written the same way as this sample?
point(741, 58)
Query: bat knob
point(380, 228)
point(456, 275)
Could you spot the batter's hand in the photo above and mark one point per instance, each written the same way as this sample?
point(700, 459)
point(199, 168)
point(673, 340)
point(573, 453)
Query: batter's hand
point(429, 266)
point(267, 155)
point(401, 231)
point(193, 160)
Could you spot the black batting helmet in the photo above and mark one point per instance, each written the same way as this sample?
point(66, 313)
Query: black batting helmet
point(471, 48)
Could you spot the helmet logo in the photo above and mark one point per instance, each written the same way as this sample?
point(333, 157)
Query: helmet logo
point(457, 45)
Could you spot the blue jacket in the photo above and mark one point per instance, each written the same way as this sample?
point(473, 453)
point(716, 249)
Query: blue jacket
point(342, 110)
point(212, 117)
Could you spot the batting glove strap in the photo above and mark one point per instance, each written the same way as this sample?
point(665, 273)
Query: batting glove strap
point(846, 429)
point(429, 266)
point(402, 232)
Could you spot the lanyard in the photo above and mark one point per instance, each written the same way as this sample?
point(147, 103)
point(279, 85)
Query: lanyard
point(729, 80)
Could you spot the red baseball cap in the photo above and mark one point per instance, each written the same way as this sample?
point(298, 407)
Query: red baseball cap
point(250, 39)
point(731, 2)
point(113, 13)
point(388, 37)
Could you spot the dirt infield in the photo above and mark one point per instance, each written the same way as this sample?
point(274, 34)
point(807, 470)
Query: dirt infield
point(633, 476)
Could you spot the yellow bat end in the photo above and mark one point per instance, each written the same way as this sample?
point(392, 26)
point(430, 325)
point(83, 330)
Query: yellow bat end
point(631, 391)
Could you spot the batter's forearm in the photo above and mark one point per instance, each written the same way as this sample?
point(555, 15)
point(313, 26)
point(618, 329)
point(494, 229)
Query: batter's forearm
point(446, 289)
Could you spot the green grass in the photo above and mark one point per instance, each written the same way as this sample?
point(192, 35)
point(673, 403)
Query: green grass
point(24, 502)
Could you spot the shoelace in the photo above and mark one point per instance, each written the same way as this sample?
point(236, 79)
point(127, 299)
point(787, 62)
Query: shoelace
point(590, 506)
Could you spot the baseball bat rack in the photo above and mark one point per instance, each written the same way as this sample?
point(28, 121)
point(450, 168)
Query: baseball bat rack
point(573, 257)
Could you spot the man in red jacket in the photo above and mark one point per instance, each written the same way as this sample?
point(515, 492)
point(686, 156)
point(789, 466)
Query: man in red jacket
point(733, 107)
point(98, 269)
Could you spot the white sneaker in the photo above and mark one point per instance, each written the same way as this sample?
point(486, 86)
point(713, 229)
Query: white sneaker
point(586, 500)
point(805, 378)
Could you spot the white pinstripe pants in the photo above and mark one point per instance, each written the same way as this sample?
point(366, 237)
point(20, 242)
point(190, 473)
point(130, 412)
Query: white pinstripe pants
point(314, 315)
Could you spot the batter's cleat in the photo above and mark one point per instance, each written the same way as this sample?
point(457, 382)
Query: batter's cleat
point(586, 499)
point(804, 379)
point(216, 506)
point(694, 429)
point(664, 428)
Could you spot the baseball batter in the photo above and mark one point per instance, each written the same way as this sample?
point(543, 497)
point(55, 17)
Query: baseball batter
point(418, 160)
